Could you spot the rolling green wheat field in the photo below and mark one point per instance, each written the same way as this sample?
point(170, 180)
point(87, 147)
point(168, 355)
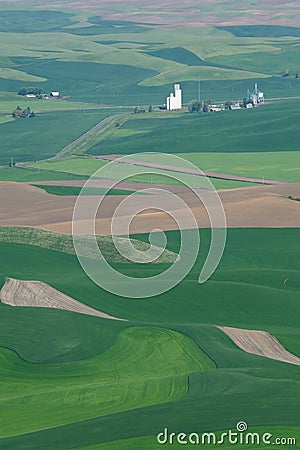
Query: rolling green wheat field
point(88, 381)
point(74, 381)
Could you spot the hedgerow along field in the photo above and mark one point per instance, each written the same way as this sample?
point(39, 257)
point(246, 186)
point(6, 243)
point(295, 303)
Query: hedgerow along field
point(180, 337)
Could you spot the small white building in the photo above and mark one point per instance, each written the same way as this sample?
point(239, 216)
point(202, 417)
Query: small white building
point(30, 95)
point(217, 108)
point(174, 101)
point(54, 94)
point(256, 96)
point(235, 106)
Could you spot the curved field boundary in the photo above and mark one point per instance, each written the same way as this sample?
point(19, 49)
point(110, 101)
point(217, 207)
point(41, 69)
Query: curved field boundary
point(38, 294)
point(222, 176)
point(260, 343)
point(64, 243)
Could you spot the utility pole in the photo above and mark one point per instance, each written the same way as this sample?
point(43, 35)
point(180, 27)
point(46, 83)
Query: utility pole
point(199, 91)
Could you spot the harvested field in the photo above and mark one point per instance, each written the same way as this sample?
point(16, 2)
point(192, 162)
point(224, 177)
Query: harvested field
point(256, 206)
point(38, 294)
point(260, 343)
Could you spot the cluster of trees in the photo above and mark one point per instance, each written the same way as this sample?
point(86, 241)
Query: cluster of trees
point(138, 110)
point(31, 91)
point(20, 113)
point(195, 106)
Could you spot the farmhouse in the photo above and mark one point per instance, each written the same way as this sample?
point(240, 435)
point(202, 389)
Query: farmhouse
point(174, 101)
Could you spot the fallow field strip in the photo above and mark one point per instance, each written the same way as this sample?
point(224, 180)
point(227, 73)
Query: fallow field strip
point(257, 206)
point(37, 294)
point(260, 343)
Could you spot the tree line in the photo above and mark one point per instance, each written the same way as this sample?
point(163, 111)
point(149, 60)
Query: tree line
point(31, 91)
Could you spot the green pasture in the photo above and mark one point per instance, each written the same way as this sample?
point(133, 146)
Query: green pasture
point(277, 166)
point(71, 165)
point(122, 380)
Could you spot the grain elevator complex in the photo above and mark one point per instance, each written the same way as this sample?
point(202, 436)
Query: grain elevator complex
point(174, 101)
